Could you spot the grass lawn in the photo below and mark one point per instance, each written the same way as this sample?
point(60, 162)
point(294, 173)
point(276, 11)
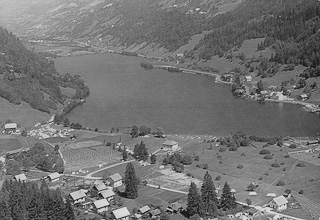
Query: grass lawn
point(9, 143)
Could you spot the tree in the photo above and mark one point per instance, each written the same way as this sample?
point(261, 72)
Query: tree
point(159, 131)
point(124, 155)
point(164, 216)
point(131, 182)
point(251, 187)
point(153, 158)
point(27, 163)
point(248, 201)
point(69, 211)
point(208, 195)
point(134, 131)
point(144, 130)
point(228, 200)
point(56, 147)
point(66, 122)
point(260, 86)
point(194, 202)
point(24, 133)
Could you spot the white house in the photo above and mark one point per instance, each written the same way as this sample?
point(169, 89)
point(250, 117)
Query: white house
point(100, 186)
point(121, 214)
point(144, 209)
point(52, 177)
point(279, 203)
point(21, 177)
point(107, 194)
point(101, 205)
point(170, 145)
point(77, 196)
point(248, 78)
point(115, 180)
point(10, 127)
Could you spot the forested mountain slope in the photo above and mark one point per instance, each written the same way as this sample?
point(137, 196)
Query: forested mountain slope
point(30, 77)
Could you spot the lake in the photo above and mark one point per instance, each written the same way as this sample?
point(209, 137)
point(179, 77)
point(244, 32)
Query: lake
point(124, 94)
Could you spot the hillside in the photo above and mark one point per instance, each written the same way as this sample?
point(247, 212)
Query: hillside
point(32, 78)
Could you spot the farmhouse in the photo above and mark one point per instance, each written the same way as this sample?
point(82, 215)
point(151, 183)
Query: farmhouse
point(52, 177)
point(10, 127)
point(101, 205)
point(115, 180)
point(279, 203)
point(144, 209)
point(170, 145)
point(77, 196)
point(121, 214)
point(107, 194)
point(174, 207)
point(21, 177)
point(100, 186)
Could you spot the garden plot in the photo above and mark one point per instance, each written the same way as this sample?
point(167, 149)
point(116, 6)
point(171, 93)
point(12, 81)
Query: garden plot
point(171, 179)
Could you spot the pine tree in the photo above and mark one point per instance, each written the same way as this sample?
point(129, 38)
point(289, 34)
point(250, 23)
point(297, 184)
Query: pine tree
point(153, 158)
point(208, 195)
point(143, 152)
point(131, 182)
point(228, 200)
point(69, 215)
point(194, 203)
point(124, 155)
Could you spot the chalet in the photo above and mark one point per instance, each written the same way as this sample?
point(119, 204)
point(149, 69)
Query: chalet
point(303, 97)
point(77, 196)
point(10, 127)
point(279, 203)
point(115, 180)
point(101, 205)
point(107, 194)
point(170, 145)
point(100, 186)
point(21, 177)
point(121, 214)
point(174, 208)
point(144, 209)
point(53, 177)
point(155, 213)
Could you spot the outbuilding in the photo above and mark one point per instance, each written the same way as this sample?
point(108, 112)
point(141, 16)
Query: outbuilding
point(101, 205)
point(121, 214)
point(10, 127)
point(155, 213)
point(144, 209)
point(21, 177)
point(170, 145)
point(100, 186)
point(115, 180)
point(77, 196)
point(279, 203)
point(53, 177)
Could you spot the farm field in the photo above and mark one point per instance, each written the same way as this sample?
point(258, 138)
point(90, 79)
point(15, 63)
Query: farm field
point(9, 143)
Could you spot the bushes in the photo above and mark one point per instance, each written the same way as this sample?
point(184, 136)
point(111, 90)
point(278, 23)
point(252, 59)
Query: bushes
point(243, 154)
point(268, 157)
point(196, 158)
point(301, 191)
point(292, 146)
point(280, 183)
point(233, 148)
point(260, 178)
point(275, 165)
point(287, 156)
point(222, 149)
point(264, 152)
point(282, 163)
point(240, 166)
point(301, 164)
point(218, 178)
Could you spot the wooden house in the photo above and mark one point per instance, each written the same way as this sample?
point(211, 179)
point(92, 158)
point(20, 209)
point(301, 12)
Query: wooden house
point(101, 205)
point(77, 196)
point(107, 194)
point(279, 203)
point(21, 177)
point(115, 180)
point(121, 214)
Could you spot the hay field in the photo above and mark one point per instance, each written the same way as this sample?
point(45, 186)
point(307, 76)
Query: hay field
point(9, 143)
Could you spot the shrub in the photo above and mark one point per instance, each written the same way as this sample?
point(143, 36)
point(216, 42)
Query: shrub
point(267, 174)
point(233, 148)
point(292, 146)
point(222, 149)
point(205, 166)
point(266, 145)
point(219, 157)
point(108, 143)
point(268, 157)
point(218, 178)
point(260, 178)
point(243, 154)
point(275, 165)
point(220, 162)
point(198, 165)
point(287, 156)
point(282, 163)
point(301, 165)
point(196, 158)
point(301, 191)
point(264, 152)
point(280, 183)
point(284, 169)
point(240, 166)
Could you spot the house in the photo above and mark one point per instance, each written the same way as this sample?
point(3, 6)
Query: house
point(271, 195)
point(100, 186)
point(10, 127)
point(52, 177)
point(251, 211)
point(279, 96)
point(21, 177)
point(136, 216)
point(155, 213)
point(174, 207)
point(77, 196)
point(107, 194)
point(115, 180)
point(144, 209)
point(170, 145)
point(279, 203)
point(252, 193)
point(101, 205)
point(248, 78)
point(121, 214)
point(304, 97)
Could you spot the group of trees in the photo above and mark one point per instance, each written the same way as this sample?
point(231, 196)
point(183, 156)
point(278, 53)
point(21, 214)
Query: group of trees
point(206, 203)
point(177, 161)
point(232, 142)
point(140, 151)
point(28, 201)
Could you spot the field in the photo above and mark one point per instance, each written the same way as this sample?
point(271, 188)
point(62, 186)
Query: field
point(8, 143)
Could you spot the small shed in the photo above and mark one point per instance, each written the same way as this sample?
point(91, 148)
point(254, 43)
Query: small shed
point(154, 213)
point(100, 186)
point(115, 180)
point(21, 177)
point(101, 205)
point(53, 177)
point(107, 194)
point(77, 196)
point(252, 194)
point(121, 214)
point(136, 216)
point(170, 145)
point(271, 195)
point(144, 209)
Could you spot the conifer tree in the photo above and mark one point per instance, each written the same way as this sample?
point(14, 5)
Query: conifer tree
point(208, 195)
point(153, 158)
point(69, 211)
point(131, 182)
point(228, 200)
point(194, 202)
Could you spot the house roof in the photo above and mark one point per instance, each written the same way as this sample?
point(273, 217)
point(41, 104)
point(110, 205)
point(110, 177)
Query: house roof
point(248, 77)
point(176, 206)
point(170, 143)
point(136, 215)
point(233, 190)
point(101, 203)
point(304, 96)
point(2, 159)
point(271, 195)
point(121, 213)
point(280, 200)
point(155, 212)
point(10, 126)
point(116, 177)
point(107, 193)
point(20, 177)
point(144, 209)
point(54, 175)
point(77, 195)
point(100, 186)
point(252, 193)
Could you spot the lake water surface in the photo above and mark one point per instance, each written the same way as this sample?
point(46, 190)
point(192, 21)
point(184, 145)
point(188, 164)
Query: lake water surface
point(124, 94)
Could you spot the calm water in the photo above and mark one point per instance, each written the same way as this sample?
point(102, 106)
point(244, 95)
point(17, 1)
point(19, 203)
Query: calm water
point(124, 94)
